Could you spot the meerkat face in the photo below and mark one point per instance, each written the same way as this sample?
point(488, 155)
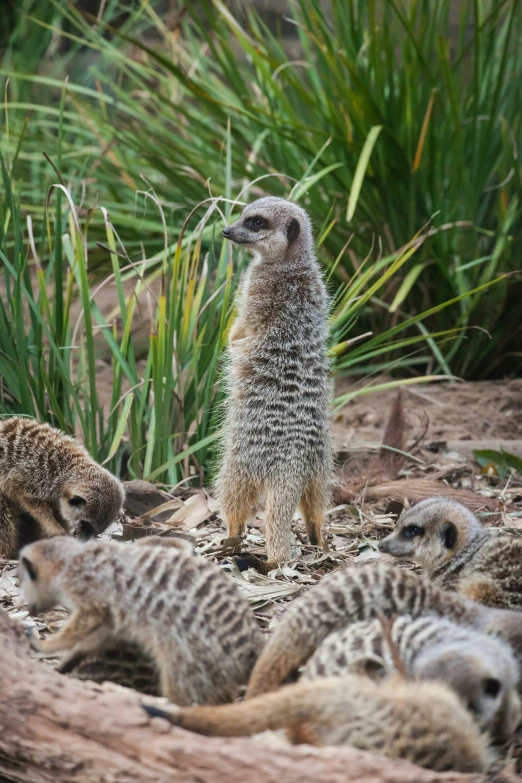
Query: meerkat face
point(485, 680)
point(270, 227)
point(431, 532)
point(38, 573)
point(89, 508)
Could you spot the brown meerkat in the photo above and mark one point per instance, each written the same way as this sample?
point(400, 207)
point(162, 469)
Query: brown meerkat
point(422, 722)
point(179, 608)
point(355, 594)
point(480, 668)
point(53, 478)
point(277, 426)
point(448, 541)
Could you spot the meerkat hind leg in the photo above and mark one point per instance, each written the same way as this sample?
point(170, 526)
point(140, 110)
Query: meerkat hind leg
point(313, 505)
point(237, 497)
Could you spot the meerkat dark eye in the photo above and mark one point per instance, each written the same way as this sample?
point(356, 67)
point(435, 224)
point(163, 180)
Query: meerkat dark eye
point(412, 531)
point(492, 687)
point(30, 569)
point(76, 500)
point(256, 223)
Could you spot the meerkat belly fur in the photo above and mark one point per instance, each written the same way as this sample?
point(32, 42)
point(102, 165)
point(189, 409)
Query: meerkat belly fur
point(177, 607)
point(53, 478)
point(424, 723)
point(480, 668)
point(277, 426)
point(358, 594)
point(448, 541)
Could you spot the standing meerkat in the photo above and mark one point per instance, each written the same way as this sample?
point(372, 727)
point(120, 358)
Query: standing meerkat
point(448, 541)
point(53, 478)
point(354, 594)
point(277, 427)
point(480, 668)
point(179, 608)
point(424, 722)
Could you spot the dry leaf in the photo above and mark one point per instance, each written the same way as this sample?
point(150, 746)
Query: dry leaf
point(193, 512)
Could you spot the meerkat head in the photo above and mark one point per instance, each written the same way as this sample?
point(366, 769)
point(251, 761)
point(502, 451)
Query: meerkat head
point(39, 571)
point(484, 673)
point(273, 228)
point(89, 504)
point(432, 532)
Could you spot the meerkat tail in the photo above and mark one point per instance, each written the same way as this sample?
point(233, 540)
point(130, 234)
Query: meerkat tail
point(281, 502)
point(288, 648)
point(287, 707)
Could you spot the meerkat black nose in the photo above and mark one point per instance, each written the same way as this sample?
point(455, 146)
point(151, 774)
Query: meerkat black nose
point(382, 546)
point(86, 530)
point(226, 232)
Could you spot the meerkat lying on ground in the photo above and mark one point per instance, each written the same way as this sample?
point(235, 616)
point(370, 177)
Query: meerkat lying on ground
point(355, 594)
point(277, 426)
point(480, 668)
point(448, 541)
point(423, 722)
point(123, 663)
point(54, 479)
point(179, 608)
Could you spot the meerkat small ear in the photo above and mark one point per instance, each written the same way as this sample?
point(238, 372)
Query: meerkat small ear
point(449, 535)
point(29, 567)
point(292, 230)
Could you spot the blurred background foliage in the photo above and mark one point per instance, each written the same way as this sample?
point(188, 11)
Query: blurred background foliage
point(396, 123)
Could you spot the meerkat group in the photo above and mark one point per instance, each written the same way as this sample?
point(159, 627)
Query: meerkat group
point(425, 668)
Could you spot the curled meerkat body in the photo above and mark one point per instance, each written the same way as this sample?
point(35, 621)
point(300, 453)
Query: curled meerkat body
point(448, 541)
point(424, 723)
point(53, 478)
point(355, 594)
point(277, 426)
point(178, 608)
point(480, 668)
point(123, 663)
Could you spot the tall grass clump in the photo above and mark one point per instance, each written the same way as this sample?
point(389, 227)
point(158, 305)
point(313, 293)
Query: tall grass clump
point(401, 115)
point(129, 358)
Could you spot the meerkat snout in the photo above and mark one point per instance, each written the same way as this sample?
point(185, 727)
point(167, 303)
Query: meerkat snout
point(89, 508)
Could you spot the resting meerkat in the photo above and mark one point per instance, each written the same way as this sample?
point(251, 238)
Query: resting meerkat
point(53, 478)
point(480, 668)
point(423, 722)
point(123, 663)
point(179, 608)
point(353, 594)
point(277, 426)
point(448, 541)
